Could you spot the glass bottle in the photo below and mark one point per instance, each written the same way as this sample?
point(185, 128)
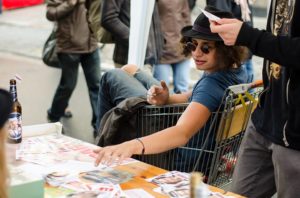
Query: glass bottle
point(15, 117)
point(197, 188)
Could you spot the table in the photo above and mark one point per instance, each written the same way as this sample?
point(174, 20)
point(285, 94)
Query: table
point(48, 136)
point(143, 171)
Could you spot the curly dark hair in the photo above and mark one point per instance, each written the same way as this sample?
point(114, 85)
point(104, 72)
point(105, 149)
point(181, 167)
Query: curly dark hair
point(227, 56)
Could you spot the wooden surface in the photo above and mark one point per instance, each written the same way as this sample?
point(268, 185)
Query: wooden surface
point(140, 170)
point(144, 171)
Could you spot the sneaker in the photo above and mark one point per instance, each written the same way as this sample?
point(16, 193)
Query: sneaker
point(51, 118)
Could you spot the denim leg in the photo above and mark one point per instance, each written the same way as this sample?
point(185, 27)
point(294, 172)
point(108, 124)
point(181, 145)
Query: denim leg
point(68, 80)
point(146, 79)
point(249, 67)
point(181, 76)
point(115, 86)
point(162, 72)
point(91, 67)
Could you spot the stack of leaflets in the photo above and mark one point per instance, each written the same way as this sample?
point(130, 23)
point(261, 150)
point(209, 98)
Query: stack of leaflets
point(176, 184)
point(173, 184)
point(67, 167)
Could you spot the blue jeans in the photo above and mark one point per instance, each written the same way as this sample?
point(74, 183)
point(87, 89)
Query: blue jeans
point(117, 85)
point(181, 74)
point(90, 63)
point(249, 67)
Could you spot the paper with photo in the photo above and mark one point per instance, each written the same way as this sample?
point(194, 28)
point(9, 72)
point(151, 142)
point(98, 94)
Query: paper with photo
point(173, 184)
point(95, 190)
point(170, 178)
point(123, 162)
point(51, 149)
point(107, 192)
point(67, 165)
point(106, 176)
point(173, 191)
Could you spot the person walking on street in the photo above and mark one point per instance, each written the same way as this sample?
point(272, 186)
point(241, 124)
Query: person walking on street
point(269, 157)
point(75, 45)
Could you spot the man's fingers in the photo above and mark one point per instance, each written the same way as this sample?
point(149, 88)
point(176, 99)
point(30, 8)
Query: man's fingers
point(163, 84)
point(99, 156)
point(114, 157)
point(222, 25)
point(97, 150)
point(154, 90)
point(216, 28)
point(226, 21)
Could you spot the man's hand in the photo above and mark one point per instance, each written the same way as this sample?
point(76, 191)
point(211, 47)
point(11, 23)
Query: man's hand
point(228, 29)
point(117, 153)
point(157, 95)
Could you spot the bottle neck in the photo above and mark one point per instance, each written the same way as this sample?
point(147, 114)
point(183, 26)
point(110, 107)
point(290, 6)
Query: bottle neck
point(13, 92)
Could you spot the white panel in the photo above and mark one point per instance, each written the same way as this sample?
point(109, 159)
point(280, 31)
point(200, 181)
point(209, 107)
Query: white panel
point(140, 20)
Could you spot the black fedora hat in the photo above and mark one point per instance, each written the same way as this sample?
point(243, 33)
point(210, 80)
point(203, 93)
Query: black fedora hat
point(201, 29)
point(5, 106)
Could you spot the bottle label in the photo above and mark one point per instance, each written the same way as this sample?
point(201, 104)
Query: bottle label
point(15, 126)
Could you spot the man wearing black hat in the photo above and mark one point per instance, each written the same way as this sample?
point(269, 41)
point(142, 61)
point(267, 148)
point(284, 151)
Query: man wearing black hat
point(5, 109)
point(269, 158)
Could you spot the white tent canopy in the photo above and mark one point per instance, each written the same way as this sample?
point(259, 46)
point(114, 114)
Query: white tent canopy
point(140, 20)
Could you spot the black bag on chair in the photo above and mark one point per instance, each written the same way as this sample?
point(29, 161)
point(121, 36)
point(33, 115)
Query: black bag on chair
point(49, 54)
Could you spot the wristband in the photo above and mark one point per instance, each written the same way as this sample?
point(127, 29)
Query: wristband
point(143, 151)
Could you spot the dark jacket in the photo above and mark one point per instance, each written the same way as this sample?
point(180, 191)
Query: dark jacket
point(278, 114)
point(119, 124)
point(231, 6)
point(174, 15)
point(73, 33)
point(116, 19)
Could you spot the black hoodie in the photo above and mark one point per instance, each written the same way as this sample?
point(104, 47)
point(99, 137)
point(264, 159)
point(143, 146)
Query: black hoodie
point(278, 114)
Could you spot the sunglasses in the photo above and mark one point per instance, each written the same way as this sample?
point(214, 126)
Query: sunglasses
point(205, 48)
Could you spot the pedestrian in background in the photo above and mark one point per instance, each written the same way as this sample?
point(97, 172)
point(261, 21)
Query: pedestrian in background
point(269, 156)
point(242, 10)
point(173, 15)
point(75, 45)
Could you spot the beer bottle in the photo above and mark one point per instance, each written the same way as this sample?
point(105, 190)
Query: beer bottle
point(197, 188)
point(15, 117)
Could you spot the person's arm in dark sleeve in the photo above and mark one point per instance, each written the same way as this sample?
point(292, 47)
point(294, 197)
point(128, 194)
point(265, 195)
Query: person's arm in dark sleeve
point(282, 50)
point(111, 22)
point(56, 10)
